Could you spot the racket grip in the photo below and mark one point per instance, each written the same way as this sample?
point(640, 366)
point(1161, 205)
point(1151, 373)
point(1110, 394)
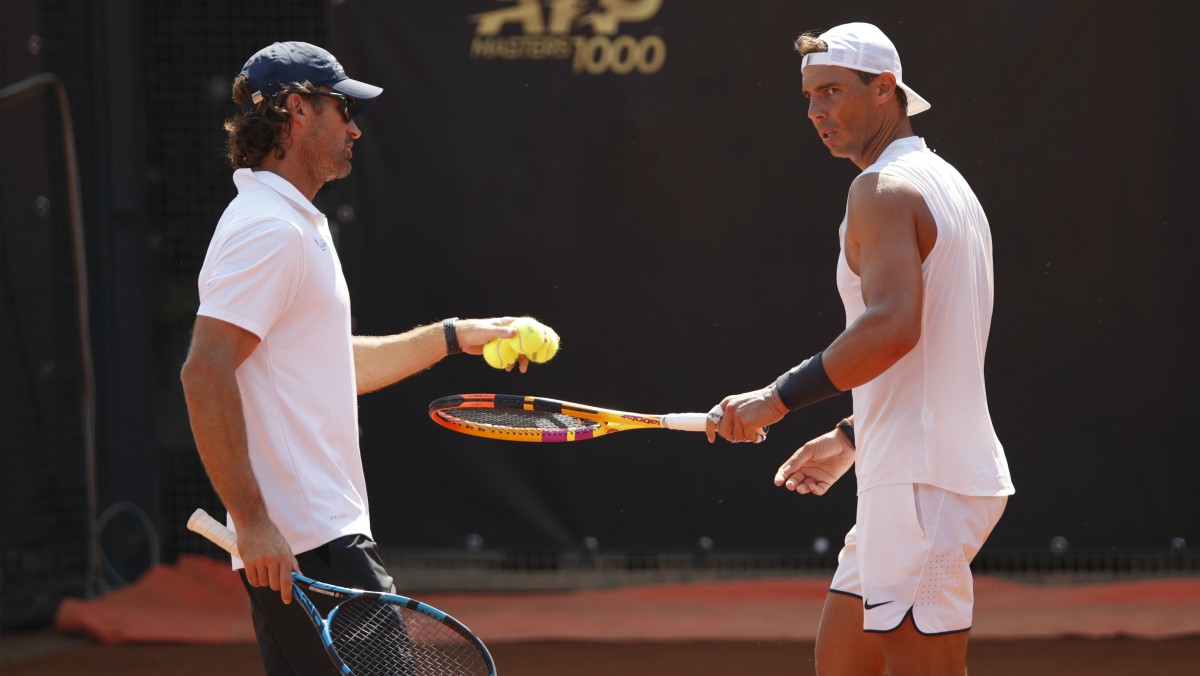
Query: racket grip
point(695, 422)
point(685, 422)
point(200, 522)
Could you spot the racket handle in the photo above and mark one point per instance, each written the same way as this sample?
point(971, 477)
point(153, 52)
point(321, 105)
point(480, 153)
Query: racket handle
point(695, 422)
point(200, 522)
point(685, 422)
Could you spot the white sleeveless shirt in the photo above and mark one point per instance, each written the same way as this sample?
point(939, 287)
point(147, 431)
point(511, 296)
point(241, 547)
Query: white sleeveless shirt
point(926, 419)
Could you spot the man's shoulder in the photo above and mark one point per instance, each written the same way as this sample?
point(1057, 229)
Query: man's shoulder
point(878, 186)
point(260, 208)
point(259, 198)
point(909, 171)
point(249, 221)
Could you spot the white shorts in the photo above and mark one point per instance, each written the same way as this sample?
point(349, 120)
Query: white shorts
point(910, 552)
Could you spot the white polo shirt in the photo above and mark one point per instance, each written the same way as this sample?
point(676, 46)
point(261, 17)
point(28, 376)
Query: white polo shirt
point(926, 419)
point(271, 269)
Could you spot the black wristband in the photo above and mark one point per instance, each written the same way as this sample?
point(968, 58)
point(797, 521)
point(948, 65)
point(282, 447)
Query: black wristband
point(451, 334)
point(806, 384)
point(847, 429)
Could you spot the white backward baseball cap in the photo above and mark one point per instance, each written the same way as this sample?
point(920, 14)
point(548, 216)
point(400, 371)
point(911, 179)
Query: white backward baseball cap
point(862, 46)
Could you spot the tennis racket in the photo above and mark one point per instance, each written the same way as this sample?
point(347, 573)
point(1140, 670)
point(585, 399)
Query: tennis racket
point(377, 634)
point(538, 419)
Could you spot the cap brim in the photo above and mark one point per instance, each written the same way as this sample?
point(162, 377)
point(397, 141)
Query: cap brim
point(360, 91)
point(916, 102)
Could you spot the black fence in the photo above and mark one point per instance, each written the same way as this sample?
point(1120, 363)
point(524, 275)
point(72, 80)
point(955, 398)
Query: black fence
point(46, 388)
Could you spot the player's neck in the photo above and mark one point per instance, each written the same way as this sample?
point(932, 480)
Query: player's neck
point(292, 170)
point(892, 129)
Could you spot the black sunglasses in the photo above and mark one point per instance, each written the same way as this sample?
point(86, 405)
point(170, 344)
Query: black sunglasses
point(346, 101)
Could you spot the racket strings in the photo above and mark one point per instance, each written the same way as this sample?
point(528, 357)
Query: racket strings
point(376, 638)
point(517, 418)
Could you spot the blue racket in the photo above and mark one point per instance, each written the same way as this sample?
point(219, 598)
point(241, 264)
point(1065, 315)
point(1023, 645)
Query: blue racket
point(377, 634)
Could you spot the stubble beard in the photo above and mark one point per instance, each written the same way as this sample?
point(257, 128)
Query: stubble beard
point(327, 161)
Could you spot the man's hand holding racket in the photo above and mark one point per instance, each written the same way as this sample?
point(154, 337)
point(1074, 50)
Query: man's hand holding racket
point(267, 556)
point(368, 633)
point(745, 417)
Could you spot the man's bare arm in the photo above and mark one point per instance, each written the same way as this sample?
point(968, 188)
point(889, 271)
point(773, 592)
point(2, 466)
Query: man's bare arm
point(380, 361)
point(889, 230)
point(214, 402)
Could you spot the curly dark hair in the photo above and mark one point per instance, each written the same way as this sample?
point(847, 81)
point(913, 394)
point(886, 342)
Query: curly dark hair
point(261, 130)
point(809, 42)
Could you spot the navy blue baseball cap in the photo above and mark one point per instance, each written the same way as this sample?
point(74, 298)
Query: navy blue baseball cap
point(283, 63)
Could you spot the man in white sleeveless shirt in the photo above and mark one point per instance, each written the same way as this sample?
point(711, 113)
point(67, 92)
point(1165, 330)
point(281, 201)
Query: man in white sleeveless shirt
point(915, 276)
point(273, 372)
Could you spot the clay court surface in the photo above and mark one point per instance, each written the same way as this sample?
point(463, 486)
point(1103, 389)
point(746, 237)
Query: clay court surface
point(190, 620)
point(1112, 657)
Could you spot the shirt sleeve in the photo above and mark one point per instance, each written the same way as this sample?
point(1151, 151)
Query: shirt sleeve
point(255, 276)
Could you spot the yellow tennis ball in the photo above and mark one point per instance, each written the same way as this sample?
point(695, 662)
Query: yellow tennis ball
point(529, 337)
point(548, 349)
point(499, 353)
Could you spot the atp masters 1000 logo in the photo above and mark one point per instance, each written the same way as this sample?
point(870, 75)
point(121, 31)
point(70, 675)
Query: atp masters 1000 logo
point(546, 31)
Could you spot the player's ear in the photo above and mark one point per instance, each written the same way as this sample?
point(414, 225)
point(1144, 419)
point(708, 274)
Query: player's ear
point(885, 86)
point(294, 104)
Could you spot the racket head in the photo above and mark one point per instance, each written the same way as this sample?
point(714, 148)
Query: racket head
point(373, 633)
point(514, 417)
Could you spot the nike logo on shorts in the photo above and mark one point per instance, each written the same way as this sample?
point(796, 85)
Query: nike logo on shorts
point(867, 605)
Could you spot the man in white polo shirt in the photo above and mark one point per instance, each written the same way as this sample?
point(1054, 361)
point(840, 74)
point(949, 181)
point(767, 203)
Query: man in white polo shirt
point(273, 373)
point(915, 276)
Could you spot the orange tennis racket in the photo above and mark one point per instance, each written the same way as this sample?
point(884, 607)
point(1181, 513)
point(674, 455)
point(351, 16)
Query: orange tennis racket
point(538, 419)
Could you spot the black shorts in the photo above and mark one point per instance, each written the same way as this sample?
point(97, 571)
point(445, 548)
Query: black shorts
point(287, 641)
